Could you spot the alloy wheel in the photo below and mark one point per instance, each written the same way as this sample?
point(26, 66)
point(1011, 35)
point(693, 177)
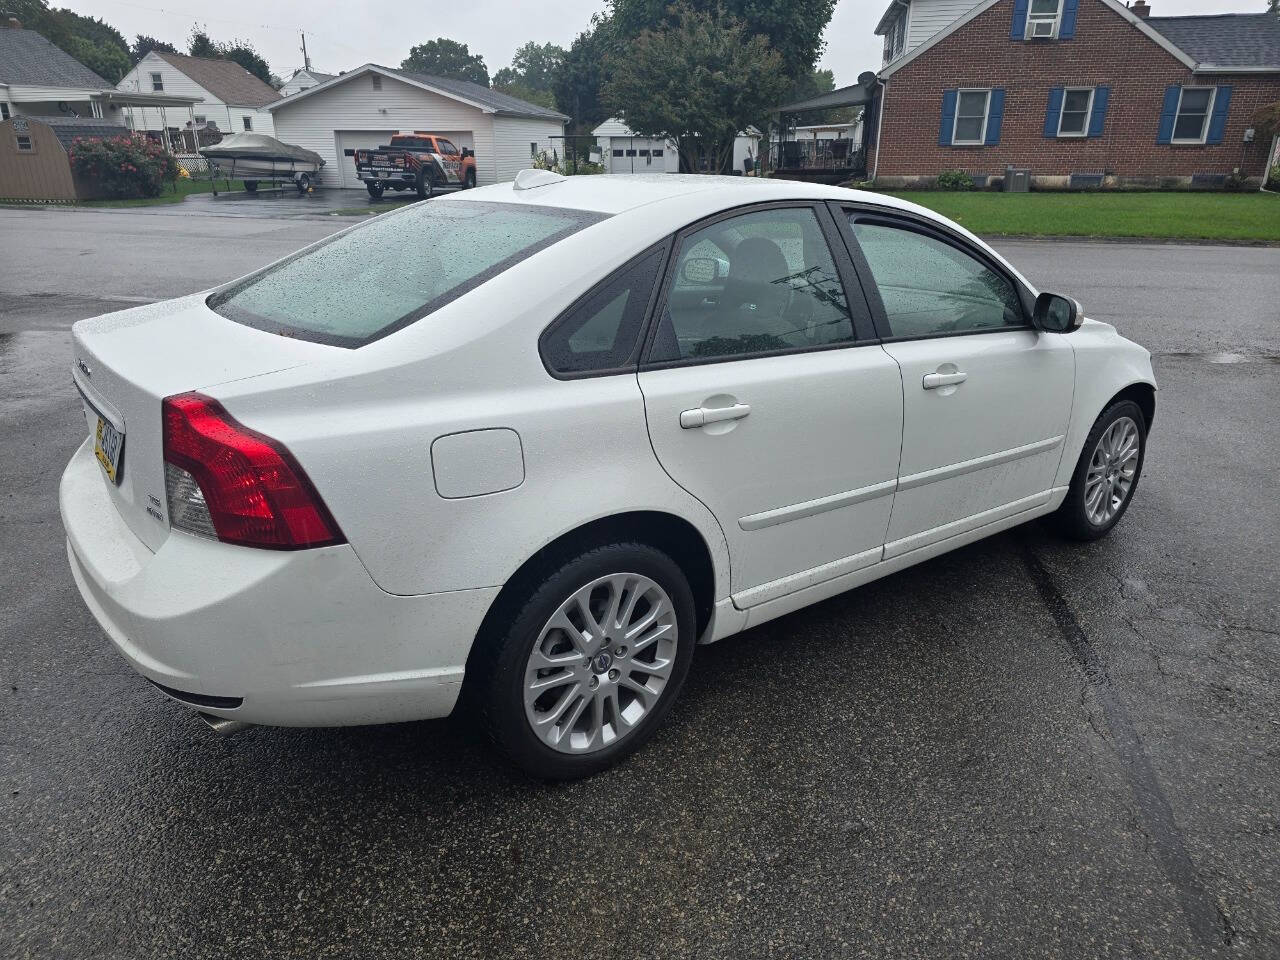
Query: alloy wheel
point(1112, 471)
point(601, 663)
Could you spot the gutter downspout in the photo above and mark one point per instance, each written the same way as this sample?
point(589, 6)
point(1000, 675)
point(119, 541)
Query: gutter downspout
point(884, 93)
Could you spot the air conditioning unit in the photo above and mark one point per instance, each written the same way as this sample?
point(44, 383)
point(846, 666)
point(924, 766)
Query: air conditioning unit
point(1044, 29)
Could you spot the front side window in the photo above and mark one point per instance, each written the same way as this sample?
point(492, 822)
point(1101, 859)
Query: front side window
point(1194, 108)
point(756, 283)
point(157, 83)
point(447, 148)
point(362, 284)
point(971, 117)
point(930, 288)
point(1043, 17)
point(601, 332)
point(1076, 105)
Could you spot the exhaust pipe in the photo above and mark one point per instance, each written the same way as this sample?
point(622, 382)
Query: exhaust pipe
point(222, 726)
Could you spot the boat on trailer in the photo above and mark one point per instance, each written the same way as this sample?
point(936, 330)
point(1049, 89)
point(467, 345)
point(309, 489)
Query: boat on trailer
point(256, 158)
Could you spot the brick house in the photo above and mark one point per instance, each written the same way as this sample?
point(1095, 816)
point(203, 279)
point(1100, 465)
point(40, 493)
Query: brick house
point(1081, 92)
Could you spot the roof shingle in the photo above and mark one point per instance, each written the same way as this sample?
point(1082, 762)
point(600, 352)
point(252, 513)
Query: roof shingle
point(29, 60)
point(1225, 40)
point(499, 102)
point(225, 79)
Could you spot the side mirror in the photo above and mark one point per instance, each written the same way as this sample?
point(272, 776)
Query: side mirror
point(699, 270)
point(1057, 314)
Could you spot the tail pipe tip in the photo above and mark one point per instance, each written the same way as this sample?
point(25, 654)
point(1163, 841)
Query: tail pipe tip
point(221, 725)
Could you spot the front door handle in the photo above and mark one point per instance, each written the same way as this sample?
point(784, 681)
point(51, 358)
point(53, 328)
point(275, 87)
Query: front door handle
point(932, 381)
point(701, 416)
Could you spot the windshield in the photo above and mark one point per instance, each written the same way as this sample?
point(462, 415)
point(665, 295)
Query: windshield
point(366, 283)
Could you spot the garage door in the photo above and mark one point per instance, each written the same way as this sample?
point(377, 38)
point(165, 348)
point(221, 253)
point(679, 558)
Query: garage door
point(638, 155)
point(349, 141)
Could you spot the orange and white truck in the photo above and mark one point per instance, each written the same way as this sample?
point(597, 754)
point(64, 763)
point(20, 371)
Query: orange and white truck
point(418, 160)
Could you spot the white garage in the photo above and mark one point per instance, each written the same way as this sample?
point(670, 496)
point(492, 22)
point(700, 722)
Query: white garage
point(366, 106)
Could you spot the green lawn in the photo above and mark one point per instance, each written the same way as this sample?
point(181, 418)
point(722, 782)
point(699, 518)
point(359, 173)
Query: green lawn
point(182, 190)
point(1238, 217)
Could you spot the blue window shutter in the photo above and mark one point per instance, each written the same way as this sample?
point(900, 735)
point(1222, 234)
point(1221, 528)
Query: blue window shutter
point(1218, 122)
point(1054, 114)
point(1067, 29)
point(1019, 28)
point(948, 117)
point(1169, 113)
point(995, 114)
point(1098, 118)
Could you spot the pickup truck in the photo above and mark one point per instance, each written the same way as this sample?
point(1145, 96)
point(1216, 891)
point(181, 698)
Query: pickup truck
point(423, 161)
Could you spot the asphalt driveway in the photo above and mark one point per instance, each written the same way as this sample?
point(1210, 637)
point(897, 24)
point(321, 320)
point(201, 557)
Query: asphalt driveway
point(1026, 748)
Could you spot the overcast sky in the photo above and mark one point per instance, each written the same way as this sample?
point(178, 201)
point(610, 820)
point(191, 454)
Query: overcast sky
point(344, 35)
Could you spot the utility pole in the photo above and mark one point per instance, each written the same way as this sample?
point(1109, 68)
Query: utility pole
point(306, 60)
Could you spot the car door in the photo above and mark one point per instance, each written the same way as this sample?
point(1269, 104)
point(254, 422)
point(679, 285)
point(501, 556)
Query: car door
point(768, 399)
point(987, 398)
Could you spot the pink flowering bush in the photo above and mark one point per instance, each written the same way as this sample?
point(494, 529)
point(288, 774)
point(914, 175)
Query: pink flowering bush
point(125, 166)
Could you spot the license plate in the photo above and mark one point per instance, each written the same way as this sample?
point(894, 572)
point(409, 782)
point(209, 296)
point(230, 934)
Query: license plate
point(108, 447)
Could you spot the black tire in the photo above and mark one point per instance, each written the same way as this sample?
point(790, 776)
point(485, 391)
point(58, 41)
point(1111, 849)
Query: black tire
point(1072, 518)
point(496, 670)
point(375, 189)
point(251, 186)
point(425, 184)
point(469, 180)
point(304, 183)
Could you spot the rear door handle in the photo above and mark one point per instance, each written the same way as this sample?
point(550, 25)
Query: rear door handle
point(701, 416)
point(932, 381)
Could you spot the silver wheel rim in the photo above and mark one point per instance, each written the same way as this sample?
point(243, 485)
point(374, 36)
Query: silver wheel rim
point(1112, 471)
point(601, 663)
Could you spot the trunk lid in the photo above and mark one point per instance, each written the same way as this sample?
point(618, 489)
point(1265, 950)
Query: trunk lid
point(124, 365)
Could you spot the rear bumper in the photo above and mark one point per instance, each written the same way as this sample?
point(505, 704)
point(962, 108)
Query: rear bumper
point(304, 638)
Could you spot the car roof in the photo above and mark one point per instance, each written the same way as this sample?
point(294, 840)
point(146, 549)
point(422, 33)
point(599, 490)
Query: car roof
point(620, 193)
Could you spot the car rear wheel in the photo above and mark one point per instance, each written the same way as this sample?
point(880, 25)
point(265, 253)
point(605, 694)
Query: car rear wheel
point(375, 189)
point(470, 180)
point(580, 669)
point(425, 185)
point(1107, 473)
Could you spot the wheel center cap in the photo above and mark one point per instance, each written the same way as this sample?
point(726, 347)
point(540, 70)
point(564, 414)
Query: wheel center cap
point(602, 661)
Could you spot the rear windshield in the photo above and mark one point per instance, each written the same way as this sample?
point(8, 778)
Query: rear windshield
point(368, 282)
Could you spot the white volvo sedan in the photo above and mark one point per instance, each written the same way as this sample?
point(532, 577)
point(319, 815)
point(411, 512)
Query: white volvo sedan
point(528, 445)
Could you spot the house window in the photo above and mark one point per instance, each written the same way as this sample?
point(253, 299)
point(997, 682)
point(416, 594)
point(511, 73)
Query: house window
point(157, 83)
point(1076, 106)
point(377, 82)
point(533, 148)
point(24, 143)
point(248, 123)
point(199, 119)
point(1043, 17)
point(971, 117)
point(4, 111)
point(1194, 107)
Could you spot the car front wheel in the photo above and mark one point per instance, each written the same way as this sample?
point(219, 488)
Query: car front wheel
point(1107, 473)
point(589, 662)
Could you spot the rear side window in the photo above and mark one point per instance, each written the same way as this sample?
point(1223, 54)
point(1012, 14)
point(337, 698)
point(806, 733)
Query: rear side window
point(601, 331)
point(368, 282)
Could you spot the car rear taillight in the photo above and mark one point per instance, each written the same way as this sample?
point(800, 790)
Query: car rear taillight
point(224, 480)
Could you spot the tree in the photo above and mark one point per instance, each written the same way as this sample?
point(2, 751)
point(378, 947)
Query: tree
point(533, 67)
point(199, 44)
point(443, 57)
point(243, 53)
point(812, 84)
point(794, 27)
point(143, 45)
point(579, 77)
point(698, 82)
point(93, 42)
point(1274, 6)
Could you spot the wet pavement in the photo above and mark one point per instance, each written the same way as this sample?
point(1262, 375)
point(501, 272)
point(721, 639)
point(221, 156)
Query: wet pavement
point(1026, 748)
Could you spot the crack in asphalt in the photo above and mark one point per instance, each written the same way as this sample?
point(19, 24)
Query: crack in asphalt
point(1205, 915)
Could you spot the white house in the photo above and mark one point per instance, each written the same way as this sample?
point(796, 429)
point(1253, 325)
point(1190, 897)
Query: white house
point(304, 79)
point(365, 107)
point(622, 151)
point(231, 96)
point(909, 23)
